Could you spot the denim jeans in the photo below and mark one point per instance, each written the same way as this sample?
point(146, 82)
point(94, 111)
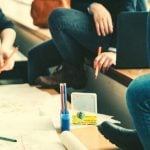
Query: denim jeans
point(73, 38)
point(136, 5)
point(138, 102)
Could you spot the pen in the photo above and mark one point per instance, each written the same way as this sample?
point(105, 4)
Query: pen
point(65, 99)
point(6, 62)
point(7, 139)
point(97, 65)
point(62, 97)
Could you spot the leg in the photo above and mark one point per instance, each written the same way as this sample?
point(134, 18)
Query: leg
point(138, 101)
point(135, 5)
point(141, 5)
point(74, 33)
point(40, 58)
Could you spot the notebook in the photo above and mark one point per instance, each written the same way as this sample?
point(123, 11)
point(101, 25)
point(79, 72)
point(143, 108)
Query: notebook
point(133, 40)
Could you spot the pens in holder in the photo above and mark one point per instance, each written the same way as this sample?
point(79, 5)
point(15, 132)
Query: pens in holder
point(65, 99)
point(64, 115)
point(97, 65)
point(62, 97)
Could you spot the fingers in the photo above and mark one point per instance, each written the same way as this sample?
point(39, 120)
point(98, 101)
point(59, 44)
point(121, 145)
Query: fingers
point(105, 61)
point(7, 61)
point(1, 60)
point(110, 25)
point(7, 66)
point(104, 27)
point(103, 23)
point(97, 28)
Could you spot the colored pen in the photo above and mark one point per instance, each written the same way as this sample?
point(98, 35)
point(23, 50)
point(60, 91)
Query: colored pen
point(62, 97)
point(6, 62)
point(8, 139)
point(97, 65)
point(65, 99)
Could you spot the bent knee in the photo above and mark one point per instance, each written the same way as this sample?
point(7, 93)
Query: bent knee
point(138, 89)
point(57, 17)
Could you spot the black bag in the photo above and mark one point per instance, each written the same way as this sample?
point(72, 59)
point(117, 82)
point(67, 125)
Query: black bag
point(133, 40)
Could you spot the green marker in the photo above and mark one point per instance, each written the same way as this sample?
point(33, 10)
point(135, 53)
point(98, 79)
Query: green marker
point(8, 139)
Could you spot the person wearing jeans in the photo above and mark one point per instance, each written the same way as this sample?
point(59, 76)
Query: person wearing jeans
point(76, 33)
point(138, 103)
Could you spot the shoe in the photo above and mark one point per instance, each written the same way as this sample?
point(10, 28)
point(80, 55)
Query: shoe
point(125, 139)
point(73, 77)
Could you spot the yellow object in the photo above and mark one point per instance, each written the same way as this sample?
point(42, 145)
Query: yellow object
point(84, 119)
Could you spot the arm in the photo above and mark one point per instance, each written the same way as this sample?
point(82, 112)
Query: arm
point(102, 19)
point(7, 38)
point(103, 12)
point(104, 26)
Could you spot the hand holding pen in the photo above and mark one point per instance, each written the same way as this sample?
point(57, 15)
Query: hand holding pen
point(104, 61)
point(5, 60)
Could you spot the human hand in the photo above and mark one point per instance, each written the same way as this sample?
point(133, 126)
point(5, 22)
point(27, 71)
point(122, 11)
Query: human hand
point(102, 19)
point(104, 61)
point(7, 60)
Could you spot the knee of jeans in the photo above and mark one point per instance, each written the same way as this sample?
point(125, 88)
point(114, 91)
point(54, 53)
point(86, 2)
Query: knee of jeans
point(136, 91)
point(57, 18)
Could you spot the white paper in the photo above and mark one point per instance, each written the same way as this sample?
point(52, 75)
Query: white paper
point(25, 115)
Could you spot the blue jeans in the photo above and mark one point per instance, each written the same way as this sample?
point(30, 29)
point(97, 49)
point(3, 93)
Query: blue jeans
point(73, 38)
point(138, 102)
point(135, 5)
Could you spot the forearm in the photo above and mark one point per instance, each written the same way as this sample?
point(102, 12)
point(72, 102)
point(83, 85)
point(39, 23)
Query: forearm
point(8, 36)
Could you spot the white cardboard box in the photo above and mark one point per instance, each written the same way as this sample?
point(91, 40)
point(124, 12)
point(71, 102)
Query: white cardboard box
point(84, 101)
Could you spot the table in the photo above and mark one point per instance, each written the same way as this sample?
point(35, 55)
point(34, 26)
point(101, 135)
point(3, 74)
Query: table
point(89, 136)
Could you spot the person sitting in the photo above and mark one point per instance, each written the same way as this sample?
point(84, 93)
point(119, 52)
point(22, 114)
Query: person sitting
point(76, 33)
point(138, 102)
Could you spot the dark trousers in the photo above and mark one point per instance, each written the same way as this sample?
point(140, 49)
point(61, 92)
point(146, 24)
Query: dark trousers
point(73, 38)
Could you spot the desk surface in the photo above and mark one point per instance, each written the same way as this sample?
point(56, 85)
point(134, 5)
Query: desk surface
point(90, 136)
point(125, 76)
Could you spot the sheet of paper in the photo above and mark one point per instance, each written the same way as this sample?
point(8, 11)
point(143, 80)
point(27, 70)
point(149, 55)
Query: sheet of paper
point(23, 99)
point(25, 115)
point(33, 140)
